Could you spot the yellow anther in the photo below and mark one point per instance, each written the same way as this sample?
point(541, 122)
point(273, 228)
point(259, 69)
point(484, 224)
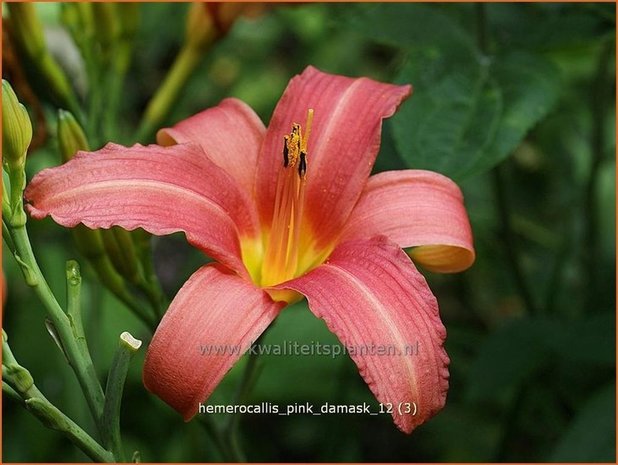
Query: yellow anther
point(305, 138)
point(282, 250)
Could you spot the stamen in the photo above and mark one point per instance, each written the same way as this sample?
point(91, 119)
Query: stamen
point(281, 259)
point(303, 148)
point(286, 153)
point(302, 166)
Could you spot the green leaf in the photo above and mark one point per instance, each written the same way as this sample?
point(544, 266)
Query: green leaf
point(515, 353)
point(409, 25)
point(467, 115)
point(545, 26)
point(591, 435)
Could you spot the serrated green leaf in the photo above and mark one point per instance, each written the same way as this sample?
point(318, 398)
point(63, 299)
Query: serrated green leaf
point(467, 116)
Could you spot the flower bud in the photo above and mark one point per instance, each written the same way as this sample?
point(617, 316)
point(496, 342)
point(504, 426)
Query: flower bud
point(129, 15)
point(90, 244)
point(106, 23)
point(16, 128)
point(201, 29)
point(71, 137)
point(78, 19)
point(121, 251)
point(27, 28)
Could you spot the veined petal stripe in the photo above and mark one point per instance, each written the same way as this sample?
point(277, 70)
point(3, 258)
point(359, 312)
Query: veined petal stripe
point(154, 185)
point(384, 316)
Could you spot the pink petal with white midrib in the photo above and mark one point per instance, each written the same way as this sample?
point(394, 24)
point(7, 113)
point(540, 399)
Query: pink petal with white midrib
point(213, 311)
point(230, 134)
point(416, 208)
point(162, 190)
point(368, 292)
point(342, 147)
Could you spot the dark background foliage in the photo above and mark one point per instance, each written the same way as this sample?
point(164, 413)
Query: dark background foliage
point(513, 101)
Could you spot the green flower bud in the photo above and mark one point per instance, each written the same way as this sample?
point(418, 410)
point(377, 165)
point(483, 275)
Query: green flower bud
point(201, 30)
point(71, 137)
point(90, 244)
point(27, 28)
point(129, 19)
point(6, 200)
point(106, 22)
point(121, 251)
point(16, 128)
point(79, 20)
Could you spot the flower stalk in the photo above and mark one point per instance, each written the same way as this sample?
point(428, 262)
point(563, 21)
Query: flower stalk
point(80, 361)
point(16, 137)
point(127, 17)
point(19, 385)
point(78, 358)
point(160, 105)
point(203, 28)
point(127, 347)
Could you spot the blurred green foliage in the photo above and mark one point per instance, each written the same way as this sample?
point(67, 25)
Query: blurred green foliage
point(516, 101)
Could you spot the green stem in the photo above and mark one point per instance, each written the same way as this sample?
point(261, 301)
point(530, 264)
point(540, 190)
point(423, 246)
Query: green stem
point(10, 392)
point(54, 419)
point(509, 241)
point(510, 426)
point(127, 346)
point(21, 388)
point(152, 289)
point(557, 272)
point(502, 200)
point(247, 381)
point(599, 101)
point(226, 437)
point(95, 100)
point(160, 105)
point(79, 359)
point(227, 452)
point(74, 286)
point(7, 237)
point(116, 80)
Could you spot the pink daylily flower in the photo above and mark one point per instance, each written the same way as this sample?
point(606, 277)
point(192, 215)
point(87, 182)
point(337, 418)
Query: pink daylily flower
point(286, 211)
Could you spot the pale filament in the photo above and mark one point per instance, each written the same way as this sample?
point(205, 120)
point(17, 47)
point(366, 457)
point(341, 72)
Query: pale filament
point(281, 259)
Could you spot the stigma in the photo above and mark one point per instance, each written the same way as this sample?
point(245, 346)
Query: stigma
point(282, 250)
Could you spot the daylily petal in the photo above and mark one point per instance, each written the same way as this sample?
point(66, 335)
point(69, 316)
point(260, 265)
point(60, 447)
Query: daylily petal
point(162, 190)
point(416, 208)
point(212, 321)
point(230, 135)
point(370, 295)
point(344, 141)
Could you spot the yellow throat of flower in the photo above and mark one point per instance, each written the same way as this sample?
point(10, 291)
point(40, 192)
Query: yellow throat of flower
point(282, 251)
